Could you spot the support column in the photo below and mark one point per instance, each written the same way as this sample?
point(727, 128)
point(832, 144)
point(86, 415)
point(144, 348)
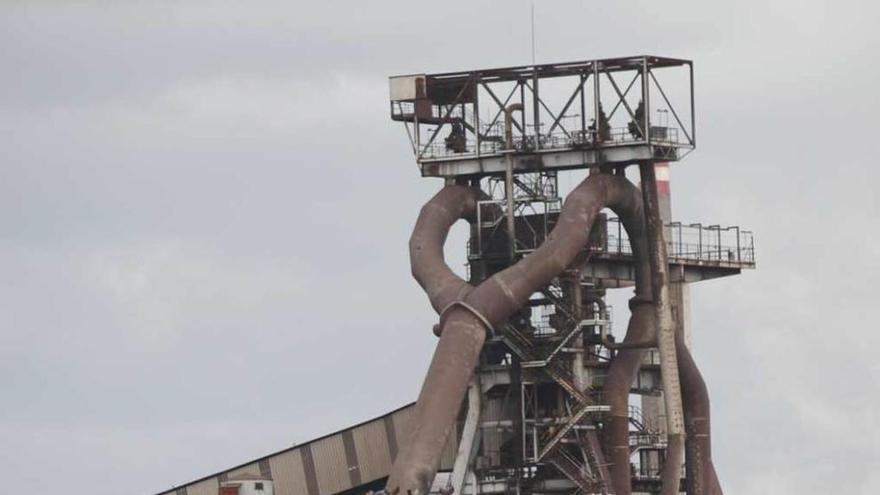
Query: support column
point(666, 338)
point(679, 292)
point(652, 407)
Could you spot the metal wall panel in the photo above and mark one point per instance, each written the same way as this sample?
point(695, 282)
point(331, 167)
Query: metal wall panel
point(265, 468)
point(331, 467)
point(402, 421)
point(287, 474)
point(374, 455)
point(391, 436)
point(491, 445)
point(351, 458)
point(251, 469)
point(209, 486)
point(493, 409)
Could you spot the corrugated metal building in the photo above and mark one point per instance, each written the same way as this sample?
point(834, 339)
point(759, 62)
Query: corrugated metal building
point(349, 461)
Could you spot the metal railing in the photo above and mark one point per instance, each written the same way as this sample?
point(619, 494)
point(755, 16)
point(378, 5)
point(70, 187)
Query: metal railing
point(492, 144)
point(686, 243)
point(710, 244)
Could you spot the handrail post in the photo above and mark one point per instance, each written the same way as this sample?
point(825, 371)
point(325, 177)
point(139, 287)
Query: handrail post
point(619, 240)
point(738, 257)
point(700, 242)
point(679, 241)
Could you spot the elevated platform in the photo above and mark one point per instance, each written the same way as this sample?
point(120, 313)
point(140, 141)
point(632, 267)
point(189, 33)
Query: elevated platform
point(696, 252)
point(547, 117)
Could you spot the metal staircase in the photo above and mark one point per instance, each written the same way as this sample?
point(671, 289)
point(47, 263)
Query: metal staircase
point(569, 466)
point(590, 475)
point(643, 436)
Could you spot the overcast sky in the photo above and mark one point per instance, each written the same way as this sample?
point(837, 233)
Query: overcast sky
point(204, 210)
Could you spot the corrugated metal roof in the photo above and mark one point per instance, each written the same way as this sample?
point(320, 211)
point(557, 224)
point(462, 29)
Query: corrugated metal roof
point(336, 462)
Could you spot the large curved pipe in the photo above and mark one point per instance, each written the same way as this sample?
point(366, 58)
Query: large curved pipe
point(429, 268)
point(701, 477)
point(623, 370)
point(443, 287)
point(464, 325)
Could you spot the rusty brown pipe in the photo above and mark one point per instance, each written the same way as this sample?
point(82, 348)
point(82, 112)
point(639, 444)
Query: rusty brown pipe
point(508, 176)
point(645, 343)
point(464, 325)
point(626, 363)
point(623, 370)
point(443, 287)
point(429, 268)
point(701, 478)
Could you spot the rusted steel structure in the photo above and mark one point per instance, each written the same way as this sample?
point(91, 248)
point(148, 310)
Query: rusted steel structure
point(528, 378)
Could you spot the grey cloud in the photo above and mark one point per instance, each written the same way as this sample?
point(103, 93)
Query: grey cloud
point(197, 196)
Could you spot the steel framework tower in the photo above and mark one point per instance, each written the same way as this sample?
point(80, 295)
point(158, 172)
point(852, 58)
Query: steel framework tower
point(550, 384)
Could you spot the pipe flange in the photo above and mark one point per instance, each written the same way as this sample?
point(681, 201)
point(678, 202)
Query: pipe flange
point(471, 310)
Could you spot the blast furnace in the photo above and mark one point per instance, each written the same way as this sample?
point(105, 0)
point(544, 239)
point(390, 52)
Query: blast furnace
point(539, 391)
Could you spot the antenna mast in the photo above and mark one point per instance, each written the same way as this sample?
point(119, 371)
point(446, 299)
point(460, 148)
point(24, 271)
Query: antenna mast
point(533, 33)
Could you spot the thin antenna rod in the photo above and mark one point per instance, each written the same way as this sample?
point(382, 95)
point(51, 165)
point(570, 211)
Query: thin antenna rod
point(533, 33)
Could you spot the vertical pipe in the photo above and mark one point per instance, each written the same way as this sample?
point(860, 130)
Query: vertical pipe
point(701, 476)
point(508, 192)
point(479, 229)
point(671, 475)
point(625, 365)
point(508, 176)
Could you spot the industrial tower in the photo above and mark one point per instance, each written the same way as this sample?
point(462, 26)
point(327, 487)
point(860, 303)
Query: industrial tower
point(543, 395)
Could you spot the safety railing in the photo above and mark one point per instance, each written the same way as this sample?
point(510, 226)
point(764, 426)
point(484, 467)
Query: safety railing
point(709, 244)
point(492, 143)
